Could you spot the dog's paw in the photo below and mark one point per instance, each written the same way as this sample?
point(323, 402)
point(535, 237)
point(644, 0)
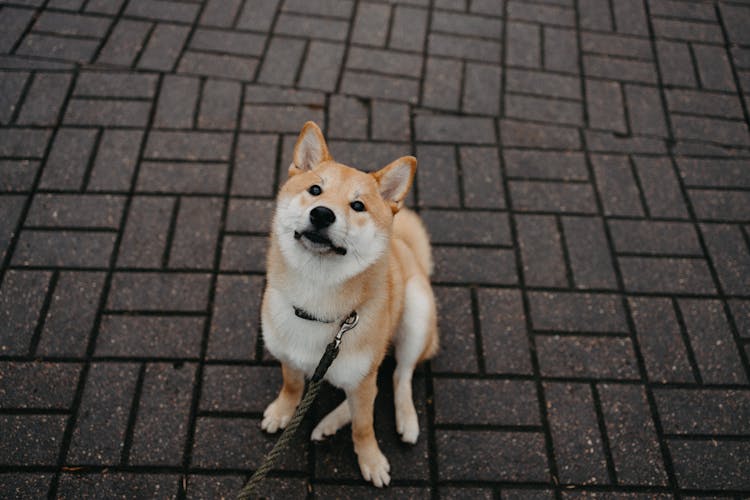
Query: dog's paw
point(332, 422)
point(375, 467)
point(407, 424)
point(277, 415)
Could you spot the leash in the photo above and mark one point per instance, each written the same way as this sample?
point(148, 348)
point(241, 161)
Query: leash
point(269, 461)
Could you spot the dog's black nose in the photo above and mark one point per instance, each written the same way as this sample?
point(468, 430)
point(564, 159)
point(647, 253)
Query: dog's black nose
point(322, 217)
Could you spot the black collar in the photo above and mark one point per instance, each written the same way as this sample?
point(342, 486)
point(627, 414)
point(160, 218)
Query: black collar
point(301, 313)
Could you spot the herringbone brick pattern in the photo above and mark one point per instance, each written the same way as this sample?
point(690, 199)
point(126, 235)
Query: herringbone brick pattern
point(584, 175)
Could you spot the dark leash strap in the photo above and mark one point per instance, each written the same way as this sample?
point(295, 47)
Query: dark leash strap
point(269, 461)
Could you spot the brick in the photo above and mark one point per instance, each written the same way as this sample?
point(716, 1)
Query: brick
point(244, 253)
point(145, 236)
point(666, 275)
point(474, 265)
point(675, 63)
point(164, 47)
point(24, 485)
point(544, 110)
point(14, 21)
point(551, 197)
point(213, 486)
point(579, 452)
point(275, 95)
point(503, 326)
point(541, 252)
point(149, 336)
point(71, 24)
point(268, 118)
point(516, 133)
point(99, 434)
point(651, 237)
point(31, 439)
point(311, 27)
point(469, 25)
point(124, 85)
point(489, 7)
point(586, 357)
point(687, 10)
point(107, 113)
point(523, 45)
point(196, 233)
point(465, 401)
point(322, 66)
point(44, 99)
point(664, 352)
point(219, 105)
point(16, 175)
point(61, 210)
point(481, 177)
point(220, 13)
point(712, 342)
point(725, 205)
point(118, 484)
point(545, 165)
point(177, 102)
point(366, 155)
point(371, 24)
point(115, 161)
point(457, 129)
point(258, 15)
point(595, 15)
point(124, 43)
point(241, 44)
point(380, 87)
point(577, 312)
point(64, 248)
point(75, 50)
point(610, 143)
point(706, 411)
point(616, 45)
point(630, 17)
point(342, 491)
point(390, 121)
point(632, 435)
point(616, 184)
point(605, 105)
point(709, 129)
point(164, 10)
point(546, 14)
point(619, 69)
point(710, 464)
point(165, 177)
point(10, 213)
point(465, 48)
point(714, 68)
point(238, 388)
point(521, 494)
point(11, 86)
point(730, 257)
point(193, 146)
point(437, 176)
point(457, 350)
point(328, 8)
point(255, 164)
point(250, 215)
point(385, 61)
point(348, 118)
point(481, 93)
point(704, 103)
point(455, 493)
point(660, 187)
point(687, 30)
point(235, 320)
point(212, 65)
point(158, 292)
point(543, 83)
point(741, 314)
point(490, 455)
point(560, 50)
point(68, 158)
point(588, 253)
point(38, 385)
point(282, 60)
point(468, 227)
point(735, 19)
point(161, 429)
point(408, 29)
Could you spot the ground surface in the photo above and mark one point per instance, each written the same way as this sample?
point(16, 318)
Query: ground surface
point(584, 174)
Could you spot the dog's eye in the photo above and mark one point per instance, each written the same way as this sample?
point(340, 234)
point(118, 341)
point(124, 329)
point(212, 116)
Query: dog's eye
point(357, 206)
point(314, 190)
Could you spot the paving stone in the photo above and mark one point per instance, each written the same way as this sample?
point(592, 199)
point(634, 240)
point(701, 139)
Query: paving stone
point(455, 493)
point(616, 184)
point(244, 253)
point(481, 178)
point(687, 30)
point(115, 160)
point(710, 464)
point(177, 102)
point(161, 427)
point(740, 310)
point(282, 61)
point(714, 68)
point(546, 14)
point(371, 24)
point(99, 434)
point(660, 187)
point(163, 10)
point(348, 118)
point(675, 62)
point(704, 103)
point(437, 176)
point(605, 105)
point(311, 27)
point(659, 337)
point(522, 134)
point(258, 15)
point(503, 327)
point(544, 110)
point(521, 494)
point(712, 342)
point(145, 236)
point(608, 142)
point(165, 177)
point(38, 385)
point(107, 113)
point(235, 320)
point(242, 44)
point(365, 155)
point(239, 388)
point(616, 45)
point(17, 175)
point(467, 227)
point(164, 47)
point(457, 350)
point(31, 439)
point(267, 118)
point(10, 212)
point(212, 65)
point(724, 205)
point(24, 485)
point(75, 50)
point(196, 232)
point(551, 197)
point(543, 83)
point(220, 13)
point(475, 265)
point(385, 61)
point(735, 18)
point(193, 146)
point(250, 215)
point(579, 451)
point(464, 47)
point(619, 69)
point(21, 297)
point(219, 104)
point(458, 129)
point(560, 50)
point(541, 251)
point(124, 43)
point(125, 85)
point(523, 45)
point(442, 83)
point(255, 165)
point(11, 86)
point(44, 99)
point(730, 257)
point(213, 486)
point(390, 121)
point(463, 24)
point(379, 87)
point(489, 455)
point(149, 336)
point(119, 485)
point(588, 253)
point(481, 94)
point(577, 312)
point(60, 210)
point(90, 249)
point(545, 165)
point(631, 435)
point(408, 28)
point(635, 236)
point(705, 411)
point(158, 291)
point(15, 20)
point(666, 275)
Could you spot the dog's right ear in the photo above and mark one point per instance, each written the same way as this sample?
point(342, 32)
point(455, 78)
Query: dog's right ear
point(309, 150)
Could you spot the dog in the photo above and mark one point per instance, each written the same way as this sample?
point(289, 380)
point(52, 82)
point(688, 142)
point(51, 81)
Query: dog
point(341, 241)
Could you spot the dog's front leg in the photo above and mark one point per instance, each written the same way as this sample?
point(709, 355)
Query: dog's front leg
point(372, 463)
point(278, 413)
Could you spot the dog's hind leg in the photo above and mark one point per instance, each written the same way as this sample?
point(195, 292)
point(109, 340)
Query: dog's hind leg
point(415, 340)
point(332, 422)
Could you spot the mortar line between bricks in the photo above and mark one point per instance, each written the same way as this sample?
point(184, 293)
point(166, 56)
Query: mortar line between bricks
point(693, 61)
point(266, 43)
point(477, 327)
point(41, 8)
point(92, 160)
point(611, 470)
point(171, 229)
point(142, 48)
point(639, 187)
point(22, 98)
point(565, 253)
point(347, 44)
point(93, 334)
point(686, 340)
point(735, 75)
point(34, 343)
point(132, 416)
point(199, 102)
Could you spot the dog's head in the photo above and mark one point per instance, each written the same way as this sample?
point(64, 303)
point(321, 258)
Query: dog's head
point(332, 219)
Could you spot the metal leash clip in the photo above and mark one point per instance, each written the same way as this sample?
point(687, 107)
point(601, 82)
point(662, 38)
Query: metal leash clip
point(332, 349)
point(349, 323)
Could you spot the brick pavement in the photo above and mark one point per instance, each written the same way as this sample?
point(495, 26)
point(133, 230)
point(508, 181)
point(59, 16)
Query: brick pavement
point(584, 174)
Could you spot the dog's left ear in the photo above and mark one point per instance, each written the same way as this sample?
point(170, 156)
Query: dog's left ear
point(309, 150)
point(395, 180)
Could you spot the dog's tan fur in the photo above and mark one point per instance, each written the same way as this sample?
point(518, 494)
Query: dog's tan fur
point(391, 294)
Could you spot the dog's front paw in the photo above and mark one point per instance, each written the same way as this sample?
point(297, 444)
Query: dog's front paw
point(407, 423)
point(277, 415)
point(374, 467)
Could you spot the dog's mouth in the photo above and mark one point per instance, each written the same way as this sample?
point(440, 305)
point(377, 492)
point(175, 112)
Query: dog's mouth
point(317, 242)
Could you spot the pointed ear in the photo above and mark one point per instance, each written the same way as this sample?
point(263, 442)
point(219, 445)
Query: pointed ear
point(395, 180)
point(309, 150)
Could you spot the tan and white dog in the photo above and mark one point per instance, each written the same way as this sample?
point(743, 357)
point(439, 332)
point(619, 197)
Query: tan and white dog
point(341, 242)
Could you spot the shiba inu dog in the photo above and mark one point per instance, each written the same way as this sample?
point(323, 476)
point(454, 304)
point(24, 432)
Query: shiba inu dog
point(342, 242)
